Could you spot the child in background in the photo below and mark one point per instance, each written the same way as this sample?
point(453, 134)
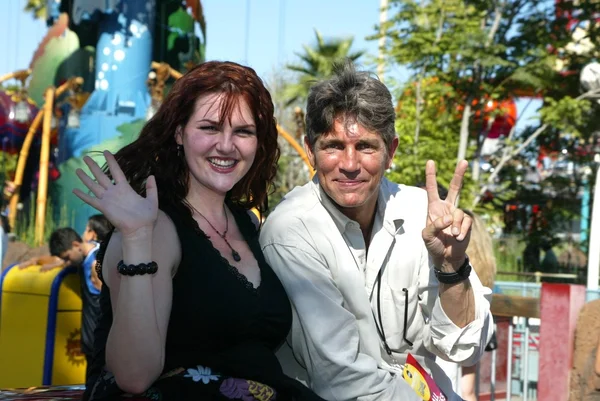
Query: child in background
point(95, 231)
point(66, 244)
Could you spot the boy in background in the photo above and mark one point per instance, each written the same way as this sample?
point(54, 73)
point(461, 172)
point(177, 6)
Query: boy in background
point(66, 244)
point(96, 230)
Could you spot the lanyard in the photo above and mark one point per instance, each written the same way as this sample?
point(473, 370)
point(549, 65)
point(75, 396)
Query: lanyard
point(379, 320)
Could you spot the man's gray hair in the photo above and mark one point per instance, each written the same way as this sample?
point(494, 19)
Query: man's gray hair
point(350, 93)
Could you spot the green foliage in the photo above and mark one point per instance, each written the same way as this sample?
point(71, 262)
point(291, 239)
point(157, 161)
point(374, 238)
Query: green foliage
point(462, 54)
point(508, 251)
point(25, 225)
point(10, 87)
point(317, 63)
point(277, 81)
point(435, 139)
point(8, 165)
point(37, 8)
point(566, 114)
point(291, 170)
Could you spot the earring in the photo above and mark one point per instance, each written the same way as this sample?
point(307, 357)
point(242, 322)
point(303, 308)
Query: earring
point(179, 150)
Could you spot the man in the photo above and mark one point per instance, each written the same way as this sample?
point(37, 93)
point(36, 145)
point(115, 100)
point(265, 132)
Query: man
point(359, 255)
point(66, 244)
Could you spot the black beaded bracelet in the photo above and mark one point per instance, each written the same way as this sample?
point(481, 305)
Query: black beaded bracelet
point(137, 270)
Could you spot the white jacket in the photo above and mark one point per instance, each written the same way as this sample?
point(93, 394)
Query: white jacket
point(319, 255)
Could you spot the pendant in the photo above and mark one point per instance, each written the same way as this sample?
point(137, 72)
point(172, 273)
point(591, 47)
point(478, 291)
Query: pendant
point(236, 256)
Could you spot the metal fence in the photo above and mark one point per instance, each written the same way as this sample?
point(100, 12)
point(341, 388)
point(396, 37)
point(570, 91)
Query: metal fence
point(523, 342)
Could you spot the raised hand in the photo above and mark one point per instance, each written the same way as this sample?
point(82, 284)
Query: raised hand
point(123, 207)
point(448, 229)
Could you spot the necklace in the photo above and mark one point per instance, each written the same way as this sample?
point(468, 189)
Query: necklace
point(234, 254)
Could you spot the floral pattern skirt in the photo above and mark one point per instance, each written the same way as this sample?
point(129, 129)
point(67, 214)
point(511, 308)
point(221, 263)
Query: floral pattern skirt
point(198, 383)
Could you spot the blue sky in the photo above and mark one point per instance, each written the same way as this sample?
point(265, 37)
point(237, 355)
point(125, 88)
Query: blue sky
point(278, 28)
point(263, 34)
point(20, 35)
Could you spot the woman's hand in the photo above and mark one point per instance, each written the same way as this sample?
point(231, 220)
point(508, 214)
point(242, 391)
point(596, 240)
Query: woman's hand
point(128, 212)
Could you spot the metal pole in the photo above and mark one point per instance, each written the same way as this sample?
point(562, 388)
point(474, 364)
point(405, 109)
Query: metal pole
point(383, 6)
point(585, 205)
point(492, 373)
point(594, 246)
point(247, 39)
point(477, 376)
point(509, 361)
point(526, 362)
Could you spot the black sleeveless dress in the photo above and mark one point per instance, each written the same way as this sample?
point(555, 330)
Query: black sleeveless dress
point(222, 333)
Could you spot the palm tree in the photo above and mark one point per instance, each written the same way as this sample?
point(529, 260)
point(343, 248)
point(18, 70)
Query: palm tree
point(37, 8)
point(317, 63)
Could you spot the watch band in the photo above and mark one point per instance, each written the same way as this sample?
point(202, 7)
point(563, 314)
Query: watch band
point(455, 277)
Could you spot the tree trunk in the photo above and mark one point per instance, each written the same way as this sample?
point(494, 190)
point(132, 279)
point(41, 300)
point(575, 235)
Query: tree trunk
point(464, 129)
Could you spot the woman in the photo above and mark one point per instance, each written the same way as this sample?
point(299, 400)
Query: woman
point(191, 310)
point(481, 254)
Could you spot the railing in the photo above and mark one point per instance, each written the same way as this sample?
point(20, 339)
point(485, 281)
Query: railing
point(537, 276)
point(519, 288)
point(523, 313)
point(533, 289)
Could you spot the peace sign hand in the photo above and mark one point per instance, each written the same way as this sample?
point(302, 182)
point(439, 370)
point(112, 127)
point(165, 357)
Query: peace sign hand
point(448, 229)
point(129, 212)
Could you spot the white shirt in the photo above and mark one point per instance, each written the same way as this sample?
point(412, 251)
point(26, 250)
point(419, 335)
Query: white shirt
point(332, 281)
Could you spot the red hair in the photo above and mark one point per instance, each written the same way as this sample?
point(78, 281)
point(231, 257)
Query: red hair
point(155, 150)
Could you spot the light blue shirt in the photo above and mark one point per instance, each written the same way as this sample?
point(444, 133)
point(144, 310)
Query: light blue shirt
point(88, 264)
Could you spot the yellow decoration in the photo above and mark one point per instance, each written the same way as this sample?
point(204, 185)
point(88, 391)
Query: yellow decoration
point(416, 381)
point(42, 190)
point(22, 161)
point(40, 328)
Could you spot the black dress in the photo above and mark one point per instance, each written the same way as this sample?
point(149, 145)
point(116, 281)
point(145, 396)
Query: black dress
point(222, 333)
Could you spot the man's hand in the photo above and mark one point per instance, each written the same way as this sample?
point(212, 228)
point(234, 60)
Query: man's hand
point(448, 229)
point(446, 237)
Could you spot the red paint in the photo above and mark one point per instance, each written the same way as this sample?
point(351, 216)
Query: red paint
point(13, 132)
point(559, 308)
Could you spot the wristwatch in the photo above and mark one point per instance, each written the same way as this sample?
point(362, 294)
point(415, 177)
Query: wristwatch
point(452, 278)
